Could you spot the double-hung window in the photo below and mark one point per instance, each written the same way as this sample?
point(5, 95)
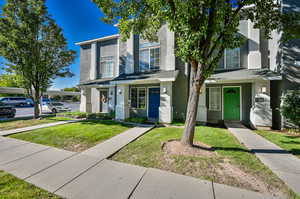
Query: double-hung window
point(232, 58)
point(107, 67)
point(138, 98)
point(214, 98)
point(149, 56)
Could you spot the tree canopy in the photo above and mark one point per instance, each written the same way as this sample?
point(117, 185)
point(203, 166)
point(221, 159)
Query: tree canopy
point(34, 45)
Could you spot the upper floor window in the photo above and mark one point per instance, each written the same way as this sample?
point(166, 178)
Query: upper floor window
point(107, 67)
point(232, 58)
point(149, 56)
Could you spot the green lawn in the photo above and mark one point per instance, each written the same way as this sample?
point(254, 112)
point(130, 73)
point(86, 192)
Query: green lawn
point(13, 188)
point(290, 143)
point(74, 137)
point(20, 123)
point(233, 164)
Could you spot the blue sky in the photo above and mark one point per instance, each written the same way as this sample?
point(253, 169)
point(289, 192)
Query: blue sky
point(80, 20)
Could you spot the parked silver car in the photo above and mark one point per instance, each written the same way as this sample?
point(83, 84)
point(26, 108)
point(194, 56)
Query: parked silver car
point(54, 107)
point(15, 101)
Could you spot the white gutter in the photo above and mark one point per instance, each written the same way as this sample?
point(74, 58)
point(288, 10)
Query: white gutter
point(98, 39)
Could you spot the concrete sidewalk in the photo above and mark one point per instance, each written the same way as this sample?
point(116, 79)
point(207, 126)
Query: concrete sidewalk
point(89, 175)
point(30, 128)
point(285, 165)
point(111, 146)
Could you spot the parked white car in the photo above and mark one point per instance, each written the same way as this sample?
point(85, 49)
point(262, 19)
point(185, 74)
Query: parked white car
point(54, 107)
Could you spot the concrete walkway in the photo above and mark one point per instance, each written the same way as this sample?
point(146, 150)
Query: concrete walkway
point(89, 175)
point(285, 165)
point(30, 128)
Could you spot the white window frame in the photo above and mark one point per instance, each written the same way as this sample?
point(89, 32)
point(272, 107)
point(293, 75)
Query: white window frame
point(149, 58)
point(104, 60)
point(137, 97)
point(225, 62)
point(219, 100)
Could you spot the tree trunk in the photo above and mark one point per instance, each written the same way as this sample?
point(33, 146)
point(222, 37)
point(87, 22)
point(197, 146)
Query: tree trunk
point(197, 80)
point(36, 102)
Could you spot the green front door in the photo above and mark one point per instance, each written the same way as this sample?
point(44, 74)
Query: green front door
point(232, 103)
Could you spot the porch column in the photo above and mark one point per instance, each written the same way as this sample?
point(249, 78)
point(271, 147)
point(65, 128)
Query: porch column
point(261, 113)
point(111, 94)
point(166, 107)
point(202, 110)
point(95, 100)
point(122, 107)
point(85, 101)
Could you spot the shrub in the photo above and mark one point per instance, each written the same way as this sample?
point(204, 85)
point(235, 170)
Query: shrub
point(77, 115)
point(136, 119)
point(290, 107)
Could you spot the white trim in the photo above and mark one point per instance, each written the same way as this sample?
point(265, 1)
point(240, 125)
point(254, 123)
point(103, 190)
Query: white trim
point(98, 39)
point(209, 97)
point(118, 59)
point(148, 99)
point(241, 105)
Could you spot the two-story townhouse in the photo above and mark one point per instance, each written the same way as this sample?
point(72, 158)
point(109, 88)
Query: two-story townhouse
point(138, 78)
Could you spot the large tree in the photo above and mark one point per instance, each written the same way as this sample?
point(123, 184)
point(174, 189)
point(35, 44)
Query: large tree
point(34, 46)
point(203, 29)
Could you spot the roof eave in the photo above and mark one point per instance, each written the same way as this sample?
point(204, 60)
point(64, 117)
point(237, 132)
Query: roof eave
point(98, 39)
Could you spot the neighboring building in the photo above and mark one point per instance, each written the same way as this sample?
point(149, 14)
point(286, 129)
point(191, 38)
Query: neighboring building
point(138, 78)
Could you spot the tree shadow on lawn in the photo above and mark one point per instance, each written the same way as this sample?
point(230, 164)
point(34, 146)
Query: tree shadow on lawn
point(253, 151)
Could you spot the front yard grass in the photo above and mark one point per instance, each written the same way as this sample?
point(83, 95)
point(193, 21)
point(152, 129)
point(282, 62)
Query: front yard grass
point(77, 136)
point(290, 143)
point(11, 187)
point(21, 123)
point(233, 164)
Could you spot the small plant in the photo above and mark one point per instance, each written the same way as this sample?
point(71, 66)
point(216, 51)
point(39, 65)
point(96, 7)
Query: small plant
point(290, 107)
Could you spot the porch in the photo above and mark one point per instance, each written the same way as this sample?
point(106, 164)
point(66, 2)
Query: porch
point(241, 95)
point(146, 95)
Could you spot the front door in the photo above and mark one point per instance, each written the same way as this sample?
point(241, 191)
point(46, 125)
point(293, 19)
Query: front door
point(104, 101)
point(232, 103)
point(154, 102)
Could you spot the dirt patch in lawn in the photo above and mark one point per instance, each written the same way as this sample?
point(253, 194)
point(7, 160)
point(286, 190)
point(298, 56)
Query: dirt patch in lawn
point(76, 147)
point(211, 166)
point(229, 172)
point(199, 149)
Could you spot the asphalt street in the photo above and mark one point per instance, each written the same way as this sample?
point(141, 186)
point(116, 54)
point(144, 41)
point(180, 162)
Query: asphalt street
point(28, 111)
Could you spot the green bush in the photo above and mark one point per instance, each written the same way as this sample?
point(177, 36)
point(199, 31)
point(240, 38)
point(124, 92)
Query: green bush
point(102, 116)
point(80, 115)
point(77, 114)
point(136, 119)
point(290, 107)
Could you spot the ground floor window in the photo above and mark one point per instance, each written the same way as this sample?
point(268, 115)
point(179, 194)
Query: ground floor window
point(138, 98)
point(215, 99)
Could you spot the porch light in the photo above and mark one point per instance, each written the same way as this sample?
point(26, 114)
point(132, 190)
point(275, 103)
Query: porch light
point(119, 91)
point(164, 90)
point(263, 89)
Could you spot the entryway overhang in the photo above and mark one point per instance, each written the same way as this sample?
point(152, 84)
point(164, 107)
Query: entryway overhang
point(146, 78)
point(243, 76)
point(98, 83)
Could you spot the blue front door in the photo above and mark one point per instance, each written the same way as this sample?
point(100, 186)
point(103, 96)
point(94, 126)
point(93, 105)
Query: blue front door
point(154, 102)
